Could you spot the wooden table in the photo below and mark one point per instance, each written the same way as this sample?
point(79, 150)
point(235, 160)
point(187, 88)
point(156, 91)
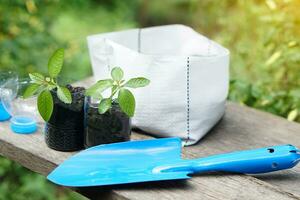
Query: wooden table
point(241, 128)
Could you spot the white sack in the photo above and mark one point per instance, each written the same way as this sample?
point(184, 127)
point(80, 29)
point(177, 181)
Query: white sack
point(188, 73)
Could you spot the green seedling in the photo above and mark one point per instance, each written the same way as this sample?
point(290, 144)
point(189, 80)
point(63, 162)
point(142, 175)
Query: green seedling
point(42, 85)
point(119, 91)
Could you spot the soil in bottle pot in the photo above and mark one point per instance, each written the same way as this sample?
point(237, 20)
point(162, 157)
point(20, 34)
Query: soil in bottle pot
point(64, 131)
point(110, 127)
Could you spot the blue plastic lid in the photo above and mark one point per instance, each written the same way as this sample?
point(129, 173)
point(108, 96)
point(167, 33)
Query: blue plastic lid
point(23, 124)
point(4, 115)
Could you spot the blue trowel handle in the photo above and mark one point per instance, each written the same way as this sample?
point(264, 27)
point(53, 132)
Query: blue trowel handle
point(251, 161)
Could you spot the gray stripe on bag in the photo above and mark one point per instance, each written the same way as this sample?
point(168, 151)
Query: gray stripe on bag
point(188, 99)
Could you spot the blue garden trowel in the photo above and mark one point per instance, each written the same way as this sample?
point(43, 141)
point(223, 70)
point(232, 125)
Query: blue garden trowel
point(160, 159)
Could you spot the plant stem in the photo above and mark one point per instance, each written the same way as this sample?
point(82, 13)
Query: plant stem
point(115, 91)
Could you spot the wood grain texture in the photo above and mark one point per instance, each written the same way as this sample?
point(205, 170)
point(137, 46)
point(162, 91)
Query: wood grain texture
point(241, 128)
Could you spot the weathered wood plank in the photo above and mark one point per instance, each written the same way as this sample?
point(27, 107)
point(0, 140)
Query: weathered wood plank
point(241, 128)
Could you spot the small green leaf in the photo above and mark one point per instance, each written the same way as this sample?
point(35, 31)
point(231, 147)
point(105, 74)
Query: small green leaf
point(117, 73)
point(137, 82)
point(56, 62)
point(64, 95)
point(99, 87)
point(126, 101)
point(45, 105)
point(31, 90)
point(37, 78)
point(51, 86)
point(104, 105)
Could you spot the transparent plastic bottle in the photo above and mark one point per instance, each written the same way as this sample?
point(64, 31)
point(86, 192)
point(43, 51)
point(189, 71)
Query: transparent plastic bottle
point(7, 78)
point(23, 111)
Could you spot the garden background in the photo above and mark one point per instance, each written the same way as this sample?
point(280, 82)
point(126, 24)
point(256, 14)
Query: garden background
point(262, 35)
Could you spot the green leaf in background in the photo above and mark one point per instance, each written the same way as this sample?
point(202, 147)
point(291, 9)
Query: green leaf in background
point(64, 95)
point(55, 63)
point(37, 78)
point(99, 87)
point(117, 73)
point(137, 82)
point(104, 105)
point(126, 101)
point(273, 58)
point(31, 90)
point(45, 104)
point(292, 115)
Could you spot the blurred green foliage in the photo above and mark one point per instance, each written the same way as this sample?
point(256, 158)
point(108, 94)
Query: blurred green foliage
point(18, 183)
point(264, 44)
point(262, 36)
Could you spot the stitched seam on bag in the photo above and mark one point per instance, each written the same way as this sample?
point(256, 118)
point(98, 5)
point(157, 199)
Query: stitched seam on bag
point(188, 99)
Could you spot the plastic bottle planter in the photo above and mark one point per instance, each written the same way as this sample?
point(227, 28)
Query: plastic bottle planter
point(110, 127)
point(64, 131)
point(3, 113)
point(23, 111)
point(7, 79)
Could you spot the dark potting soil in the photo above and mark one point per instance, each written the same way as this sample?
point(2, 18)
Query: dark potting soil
point(64, 131)
point(110, 127)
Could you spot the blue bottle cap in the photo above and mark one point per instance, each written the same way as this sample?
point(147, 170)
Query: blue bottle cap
point(23, 124)
point(4, 115)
